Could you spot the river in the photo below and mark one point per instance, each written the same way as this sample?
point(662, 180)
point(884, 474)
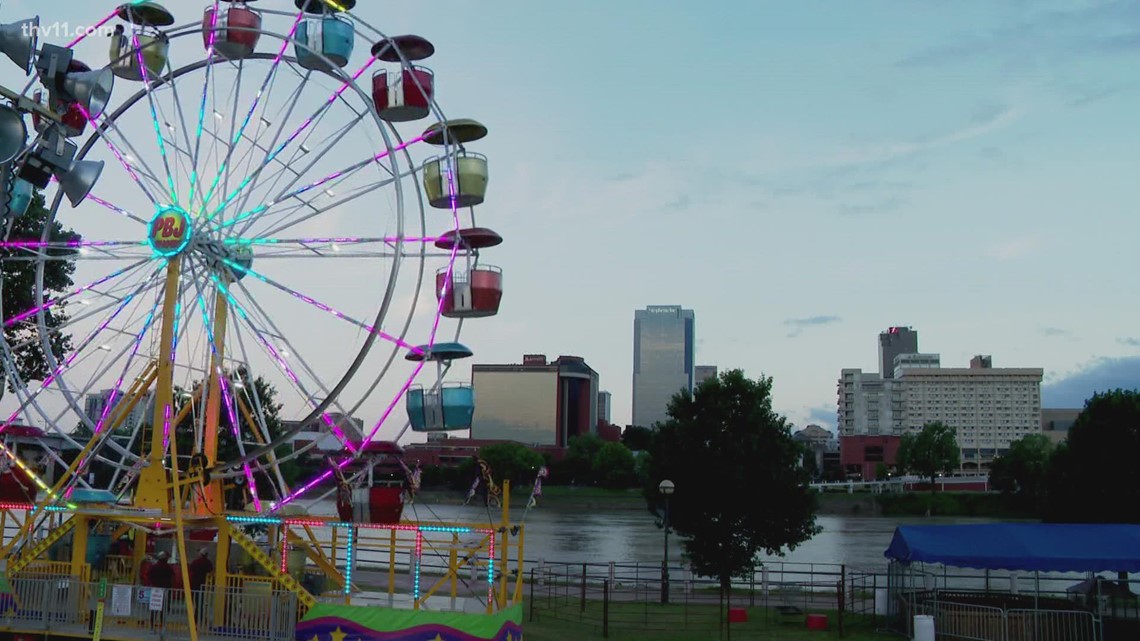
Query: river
point(631, 536)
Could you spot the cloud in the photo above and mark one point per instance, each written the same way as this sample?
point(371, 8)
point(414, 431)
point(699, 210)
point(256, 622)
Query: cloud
point(863, 209)
point(1061, 35)
point(1057, 332)
point(1071, 390)
point(1014, 248)
point(824, 416)
point(798, 325)
point(1129, 342)
point(986, 119)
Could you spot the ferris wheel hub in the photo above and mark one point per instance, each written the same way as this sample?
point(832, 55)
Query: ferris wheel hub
point(169, 232)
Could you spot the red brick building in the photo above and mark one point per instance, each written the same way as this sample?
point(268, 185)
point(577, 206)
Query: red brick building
point(861, 455)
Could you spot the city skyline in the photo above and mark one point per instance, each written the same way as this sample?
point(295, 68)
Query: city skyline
point(984, 204)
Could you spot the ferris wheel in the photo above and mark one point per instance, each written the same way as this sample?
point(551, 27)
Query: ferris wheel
point(267, 197)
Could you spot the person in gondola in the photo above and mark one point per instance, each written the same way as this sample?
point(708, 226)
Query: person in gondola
point(343, 494)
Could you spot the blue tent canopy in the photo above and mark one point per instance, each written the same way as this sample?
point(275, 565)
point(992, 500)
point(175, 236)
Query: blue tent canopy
point(1021, 546)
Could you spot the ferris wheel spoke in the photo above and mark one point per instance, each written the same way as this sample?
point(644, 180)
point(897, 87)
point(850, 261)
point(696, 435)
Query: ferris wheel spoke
point(223, 383)
point(253, 107)
point(72, 358)
point(278, 358)
point(337, 176)
point(281, 117)
point(350, 82)
point(303, 364)
point(351, 169)
point(319, 305)
point(16, 318)
point(258, 411)
point(115, 208)
point(146, 83)
point(103, 131)
point(287, 166)
point(98, 432)
point(206, 84)
point(264, 211)
point(64, 326)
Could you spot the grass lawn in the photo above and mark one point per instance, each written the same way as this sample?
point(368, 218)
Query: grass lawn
point(638, 621)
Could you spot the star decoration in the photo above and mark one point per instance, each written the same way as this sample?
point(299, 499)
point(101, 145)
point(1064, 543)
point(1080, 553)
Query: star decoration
point(337, 635)
point(316, 637)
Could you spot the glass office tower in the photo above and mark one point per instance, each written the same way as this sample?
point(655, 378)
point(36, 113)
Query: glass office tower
point(663, 355)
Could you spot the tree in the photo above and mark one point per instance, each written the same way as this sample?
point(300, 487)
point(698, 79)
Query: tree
point(740, 488)
point(636, 438)
point(19, 292)
point(931, 452)
point(264, 397)
point(1021, 474)
point(578, 466)
point(512, 462)
point(1092, 477)
point(614, 466)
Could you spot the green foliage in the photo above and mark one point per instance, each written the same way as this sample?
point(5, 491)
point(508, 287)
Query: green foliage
point(881, 471)
point(1022, 473)
point(260, 397)
point(511, 461)
point(1091, 477)
point(578, 466)
point(614, 466)
point(19, 291)
point(976, 504)
point(931, 452)
point(637, 438)
point(740, 488)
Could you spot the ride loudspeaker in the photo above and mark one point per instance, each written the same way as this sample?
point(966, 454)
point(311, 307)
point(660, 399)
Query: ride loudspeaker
point(18, 42)
point(91, 89)
point(77, 181)
point(13, 133)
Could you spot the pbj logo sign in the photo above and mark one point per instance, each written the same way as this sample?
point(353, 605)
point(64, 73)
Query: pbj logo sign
point(169, 231)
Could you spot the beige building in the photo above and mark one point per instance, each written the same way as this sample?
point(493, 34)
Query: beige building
point(1055, 423)
point(988, 407)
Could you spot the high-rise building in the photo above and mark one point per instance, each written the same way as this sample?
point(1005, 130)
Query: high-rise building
point(867, 404)
point(703, 373)
point(535, 403)
point(895, 341)
point(605, 401)
point(915, 361)
point(95, 407)
point(663, 355)
point(988, 407)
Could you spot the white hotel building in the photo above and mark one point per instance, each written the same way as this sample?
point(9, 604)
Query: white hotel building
point(989, 407)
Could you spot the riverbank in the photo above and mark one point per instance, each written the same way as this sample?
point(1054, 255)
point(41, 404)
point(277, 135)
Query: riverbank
point(960, 504)
point(560, 496)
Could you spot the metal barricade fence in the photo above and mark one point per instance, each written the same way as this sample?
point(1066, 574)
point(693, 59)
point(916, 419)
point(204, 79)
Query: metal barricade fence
point(67, 606)
point(1050, 625)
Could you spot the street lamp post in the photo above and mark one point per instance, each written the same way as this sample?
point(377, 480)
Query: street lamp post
point(666, 489)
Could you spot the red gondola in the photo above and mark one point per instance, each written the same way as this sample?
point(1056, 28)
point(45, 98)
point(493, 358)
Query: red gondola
point(371, 489)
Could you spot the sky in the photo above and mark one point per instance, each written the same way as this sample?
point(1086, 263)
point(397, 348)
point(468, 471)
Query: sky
point(802, 175)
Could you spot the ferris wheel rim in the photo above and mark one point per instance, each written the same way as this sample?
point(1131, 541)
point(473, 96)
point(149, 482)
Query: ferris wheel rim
point(170, 77)
point(110, 120)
